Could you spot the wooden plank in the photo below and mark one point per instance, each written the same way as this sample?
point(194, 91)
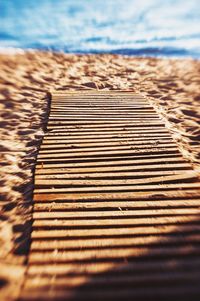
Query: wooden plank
point(95, 110)
point(94, 119)
point(94, 92)
point(106, 106)
point(189, 175)
point(64, 244)
point(118, 146)
point(153, 266)
point(116, 130)
point(116, 142)
point(97, 100)
point(125, 280)
point(114, 169)
point(133, 162)
point(99, 159)
point(107, 141)
point(110, 253)
point(98, 96)
point(111, 175)
point(66, 115)
point(82, 130)
point(85, 134)
point(102, 122)
point(142, 193)
point(106, 138)
point(62, 113)
point(126, 205)
point(191, 290)
point(151, 219)
point(115, 232)
point(116, 189)
point(100, 102)
point(108, 153)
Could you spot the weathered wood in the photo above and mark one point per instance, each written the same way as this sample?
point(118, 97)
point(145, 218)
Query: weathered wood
point(153, 168)
point(112, 294)
point(62, 121)
point(107, 106)
point(123, 150)
point(99, 135)
point(134, 110)
point(127, 280)
point(115, 146)
point(103, 122)
point(108, 144)
point(134, 163)
point(116, 232)
point(94, 222)
point(80, 244)
point(108, 130)
point(101, 140)
point(108, 175)
point(100, 159)
point(189, 175)
point(104, 111)
point(153, 266)
point(114, 188)
point(184, 206)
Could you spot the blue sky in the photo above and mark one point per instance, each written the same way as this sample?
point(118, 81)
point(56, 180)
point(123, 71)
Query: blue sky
point(123, 26)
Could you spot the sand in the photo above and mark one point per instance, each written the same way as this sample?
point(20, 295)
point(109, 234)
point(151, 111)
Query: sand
point(25, 79)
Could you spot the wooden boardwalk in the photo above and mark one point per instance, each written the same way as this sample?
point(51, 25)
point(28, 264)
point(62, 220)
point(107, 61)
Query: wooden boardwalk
point(116, 206)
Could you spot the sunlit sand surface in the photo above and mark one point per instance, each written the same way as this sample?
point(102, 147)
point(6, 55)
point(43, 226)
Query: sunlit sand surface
point(25, 81)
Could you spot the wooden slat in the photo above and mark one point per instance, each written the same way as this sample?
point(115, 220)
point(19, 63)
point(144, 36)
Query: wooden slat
point(117, 130)
point(108, 144)
point(107, 106)
point(191, 290)
point(135, 111)
point(189, 175)
point(153, 266)
point(116, 189)
point(103, 123)
point(133, 162)
point(161, 168)
point(99, 135)
point(127, 280)
point(116, 146)
point(151, 219)
point(111, 175)
point(95, 110)
point(165, 191)
point(109, 153)
point(136, 117)
point(100, 159)
point(136, 204)
point(79, 140)
point(66, 244)
point(114, 232)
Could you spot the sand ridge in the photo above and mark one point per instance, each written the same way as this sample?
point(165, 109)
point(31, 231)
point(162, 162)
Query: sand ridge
point(25, 78)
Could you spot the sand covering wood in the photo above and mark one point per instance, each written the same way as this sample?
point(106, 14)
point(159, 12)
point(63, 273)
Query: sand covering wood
point(25, 78)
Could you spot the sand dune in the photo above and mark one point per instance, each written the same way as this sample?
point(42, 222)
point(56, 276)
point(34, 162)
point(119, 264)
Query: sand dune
point(25, 78)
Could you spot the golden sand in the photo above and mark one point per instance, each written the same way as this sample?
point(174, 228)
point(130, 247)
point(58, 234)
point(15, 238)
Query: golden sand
point(172, 85)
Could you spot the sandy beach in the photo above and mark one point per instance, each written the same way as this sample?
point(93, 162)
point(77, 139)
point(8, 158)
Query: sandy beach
point(26, 78)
